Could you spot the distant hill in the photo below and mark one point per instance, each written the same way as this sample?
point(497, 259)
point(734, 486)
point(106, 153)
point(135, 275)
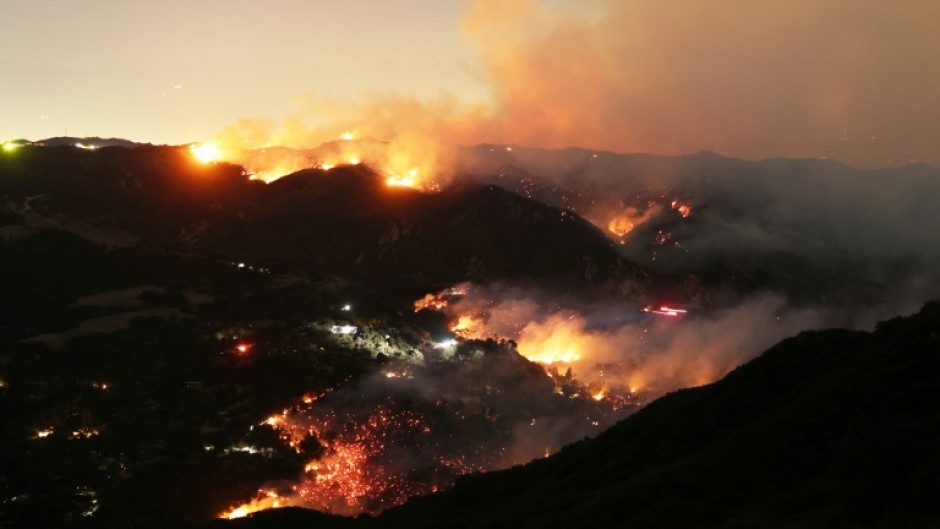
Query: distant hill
point(70, 141)
point(826, 429)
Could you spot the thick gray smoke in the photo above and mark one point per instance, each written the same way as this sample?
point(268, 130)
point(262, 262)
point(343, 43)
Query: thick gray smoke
point(815, 230)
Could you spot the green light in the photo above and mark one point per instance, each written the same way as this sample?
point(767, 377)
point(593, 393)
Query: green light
point(10, 146)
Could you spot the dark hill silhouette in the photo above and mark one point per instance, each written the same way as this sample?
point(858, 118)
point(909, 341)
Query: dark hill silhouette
point(827, 429)
point(344, 222)
point(69, 141)
point(348, 215)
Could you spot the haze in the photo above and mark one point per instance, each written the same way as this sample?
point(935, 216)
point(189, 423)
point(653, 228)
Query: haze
point(857, 81)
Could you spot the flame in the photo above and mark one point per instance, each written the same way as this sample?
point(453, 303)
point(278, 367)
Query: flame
point(466, 326)
point(411, 180)
point(265, 499)
point(206, 152)
point(621, 221)
point(683, 207)
point(355, 471)
point(347, 136)
point(620, 226)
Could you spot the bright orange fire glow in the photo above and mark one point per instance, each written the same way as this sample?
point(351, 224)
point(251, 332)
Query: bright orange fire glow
point(620, 226)
point(207, 152)
point(411, 180)
point(351, 474)
point(466, 326)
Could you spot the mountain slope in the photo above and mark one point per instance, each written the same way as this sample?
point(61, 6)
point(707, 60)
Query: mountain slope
point(348, 216)
point(343, 222)
point(815, 229)
point(827, 429)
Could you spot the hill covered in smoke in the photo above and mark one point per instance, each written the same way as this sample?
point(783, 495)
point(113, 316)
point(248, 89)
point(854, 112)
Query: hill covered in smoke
point(817, 230)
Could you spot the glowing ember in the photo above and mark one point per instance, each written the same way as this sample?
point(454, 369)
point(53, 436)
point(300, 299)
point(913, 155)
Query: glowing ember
point(45, 432)
point(683, 207)
point(358, 467)
point(243, 348)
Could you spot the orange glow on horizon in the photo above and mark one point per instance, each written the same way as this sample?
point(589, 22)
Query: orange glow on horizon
point(206, 152)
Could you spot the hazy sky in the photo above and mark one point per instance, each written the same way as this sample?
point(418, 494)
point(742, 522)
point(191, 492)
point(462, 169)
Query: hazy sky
point(179, 70)
point(856, 80)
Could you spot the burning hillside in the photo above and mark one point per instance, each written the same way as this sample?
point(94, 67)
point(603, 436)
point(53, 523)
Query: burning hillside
point(414, 427)
point(617, 346)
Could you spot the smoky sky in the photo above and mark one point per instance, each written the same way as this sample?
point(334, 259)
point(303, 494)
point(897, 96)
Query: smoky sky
point(855, 80)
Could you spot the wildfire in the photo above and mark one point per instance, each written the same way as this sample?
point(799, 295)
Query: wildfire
point(410, 180)
point(206, 152)
point(441, 300)
point(357, 467)
point(266, 499)
point(683, 207)
point(620, 226)
point(466, 326)
point(623, 221)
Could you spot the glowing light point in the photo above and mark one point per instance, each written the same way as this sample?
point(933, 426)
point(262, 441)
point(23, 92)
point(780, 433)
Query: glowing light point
point(10, 146)
point(207, 152)
point(347, 136)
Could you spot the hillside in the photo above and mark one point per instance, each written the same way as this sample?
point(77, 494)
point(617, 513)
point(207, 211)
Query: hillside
point(826, 429)
point(347, 219)
point(343, 222)
point(816, 229)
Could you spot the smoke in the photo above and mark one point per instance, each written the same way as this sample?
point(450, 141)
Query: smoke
point(850, 80)
point(623, 345)
point(398, 135)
